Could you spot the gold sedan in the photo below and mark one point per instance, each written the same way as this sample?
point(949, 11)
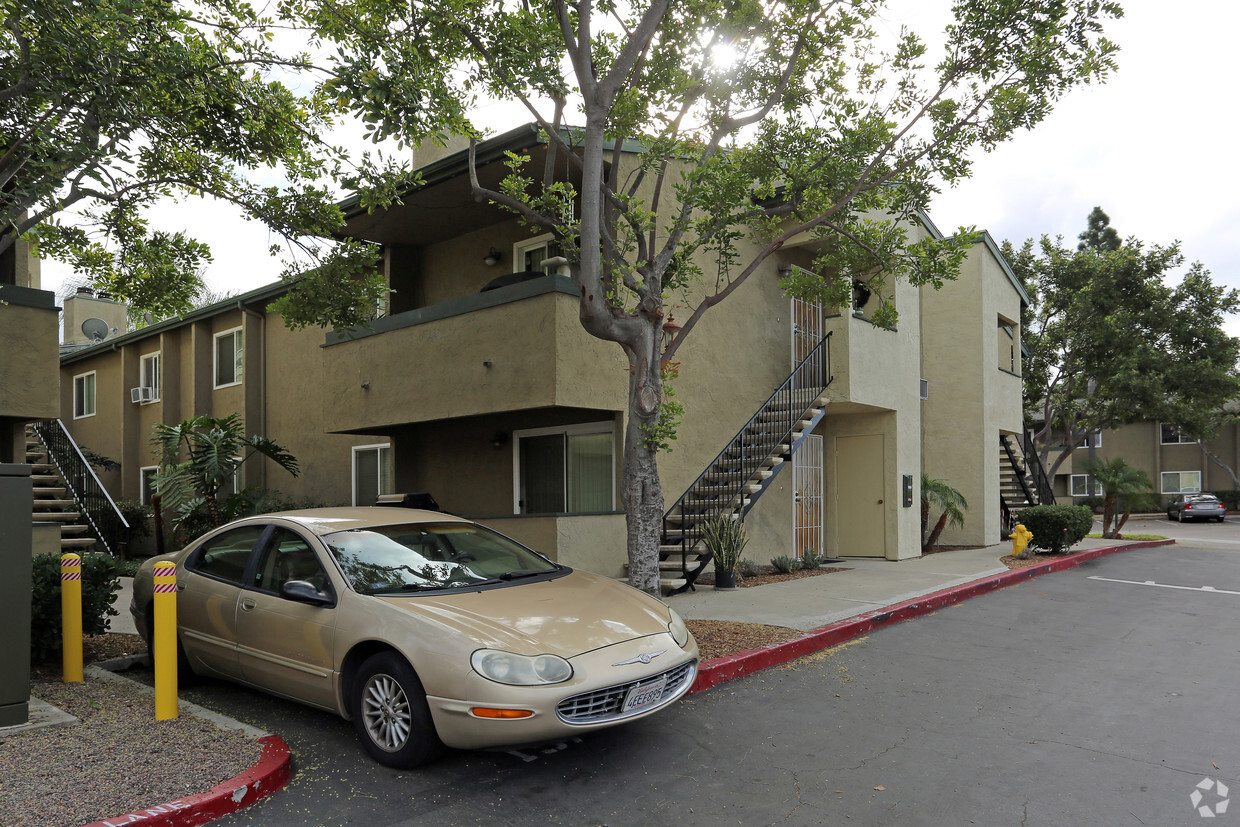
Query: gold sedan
point(425, 630)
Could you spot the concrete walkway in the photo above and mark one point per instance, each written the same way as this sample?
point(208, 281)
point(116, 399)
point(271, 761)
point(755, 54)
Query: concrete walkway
point(870, 585)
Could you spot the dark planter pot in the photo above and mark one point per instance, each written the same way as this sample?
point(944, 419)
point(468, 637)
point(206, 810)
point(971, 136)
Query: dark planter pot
point(725, 579)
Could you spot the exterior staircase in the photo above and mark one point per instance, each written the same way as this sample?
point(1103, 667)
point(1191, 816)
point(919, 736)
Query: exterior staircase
point(66, 491)
point(744, 469)
point(1022, 479)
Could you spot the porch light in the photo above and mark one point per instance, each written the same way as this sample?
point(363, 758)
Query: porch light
point(492, 258)
point(670, 329)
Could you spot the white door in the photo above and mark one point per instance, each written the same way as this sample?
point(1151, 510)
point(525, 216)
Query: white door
point(807, 499)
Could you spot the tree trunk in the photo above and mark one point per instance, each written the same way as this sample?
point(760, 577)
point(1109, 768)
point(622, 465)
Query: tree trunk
point(157, 518)
point(641, 490)
point(1120, 524)
point(1217, 460)
point(1108, 513)
point(934, 535)
point(925, 522)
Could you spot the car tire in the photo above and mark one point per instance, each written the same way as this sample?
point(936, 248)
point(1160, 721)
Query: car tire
point(390, 713)
point(1180, 515)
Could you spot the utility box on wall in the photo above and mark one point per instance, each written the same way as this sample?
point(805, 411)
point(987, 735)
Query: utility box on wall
point(908, 491)
point(16, 498)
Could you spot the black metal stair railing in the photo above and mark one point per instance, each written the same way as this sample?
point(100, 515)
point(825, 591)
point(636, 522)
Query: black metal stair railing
point(1033, 462)
point(722, 487)
point(105, 519)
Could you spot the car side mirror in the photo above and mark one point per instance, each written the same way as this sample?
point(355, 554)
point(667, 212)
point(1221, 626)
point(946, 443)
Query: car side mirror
point(303, 592)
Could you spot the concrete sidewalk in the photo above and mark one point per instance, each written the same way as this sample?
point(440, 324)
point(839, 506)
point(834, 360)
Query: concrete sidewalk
point(870, 585)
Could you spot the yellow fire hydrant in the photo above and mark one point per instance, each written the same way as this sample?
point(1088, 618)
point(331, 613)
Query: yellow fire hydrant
point(1020, 538)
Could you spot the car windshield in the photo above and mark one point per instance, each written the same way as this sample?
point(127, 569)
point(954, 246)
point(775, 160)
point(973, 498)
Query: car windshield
point(425, 556)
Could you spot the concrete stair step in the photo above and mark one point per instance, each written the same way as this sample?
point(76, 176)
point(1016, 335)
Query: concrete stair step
point(56, 516)
point(51, 503)
point(77, 542)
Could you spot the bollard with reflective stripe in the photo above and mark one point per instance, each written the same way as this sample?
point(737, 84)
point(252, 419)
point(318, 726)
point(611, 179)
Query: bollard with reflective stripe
point(164, 641)
point(71, 616)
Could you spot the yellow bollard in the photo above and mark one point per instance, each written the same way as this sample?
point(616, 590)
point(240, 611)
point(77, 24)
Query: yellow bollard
point(71, 616)
point(164, 641)
point(1020, 538)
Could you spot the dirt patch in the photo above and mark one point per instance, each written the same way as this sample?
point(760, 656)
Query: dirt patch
point(767, 575)
point(717, 638)
point(95, 648)
point(1016, 563)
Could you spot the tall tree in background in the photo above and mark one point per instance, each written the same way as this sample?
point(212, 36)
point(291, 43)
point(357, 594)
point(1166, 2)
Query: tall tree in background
point(757, 122)
point(1110, 343)
point(108, 105)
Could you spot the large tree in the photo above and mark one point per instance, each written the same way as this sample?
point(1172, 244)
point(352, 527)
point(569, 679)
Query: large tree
point(1111, 342)
point(107, 106)
point(757, 122)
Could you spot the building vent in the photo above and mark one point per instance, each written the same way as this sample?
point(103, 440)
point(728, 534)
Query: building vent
point(925, 388)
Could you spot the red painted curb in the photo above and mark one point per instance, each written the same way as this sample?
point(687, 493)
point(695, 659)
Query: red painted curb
point(719, 670)
point(271, 773)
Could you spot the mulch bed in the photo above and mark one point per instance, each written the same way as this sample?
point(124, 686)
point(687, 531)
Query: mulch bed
point(95, 648)
point(767, 575)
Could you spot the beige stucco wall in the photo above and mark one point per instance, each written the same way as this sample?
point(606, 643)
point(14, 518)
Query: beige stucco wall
point(972, 399)
point(593, 542)
point(28, 388)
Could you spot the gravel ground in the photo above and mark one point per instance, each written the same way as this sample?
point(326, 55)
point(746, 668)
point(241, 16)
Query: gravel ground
point(118, 759)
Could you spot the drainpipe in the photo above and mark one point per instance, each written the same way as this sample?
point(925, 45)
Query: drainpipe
point(262, 378)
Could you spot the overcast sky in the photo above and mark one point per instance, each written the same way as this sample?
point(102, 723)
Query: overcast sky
point(1152, 147)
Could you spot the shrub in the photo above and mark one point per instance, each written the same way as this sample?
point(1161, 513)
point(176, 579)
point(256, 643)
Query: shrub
point(748, 568)
point(784, 564)
point(1056, 528)
point(725, 538)
point(99, 586)
point(1094, 504)
point(810, 559)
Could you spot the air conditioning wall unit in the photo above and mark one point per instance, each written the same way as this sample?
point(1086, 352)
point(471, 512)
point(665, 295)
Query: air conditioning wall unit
point(925, 388)
point(141, 394)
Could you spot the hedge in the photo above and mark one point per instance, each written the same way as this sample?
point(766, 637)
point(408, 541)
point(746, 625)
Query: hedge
point(1057, 528)
point(99, 586)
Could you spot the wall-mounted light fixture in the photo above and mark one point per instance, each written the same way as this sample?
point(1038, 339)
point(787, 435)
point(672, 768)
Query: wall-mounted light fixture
point(499, 440)
point(492, 258)
point(670, 329)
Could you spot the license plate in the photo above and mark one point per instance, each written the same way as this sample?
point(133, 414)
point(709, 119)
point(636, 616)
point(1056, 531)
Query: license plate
point(645, 694)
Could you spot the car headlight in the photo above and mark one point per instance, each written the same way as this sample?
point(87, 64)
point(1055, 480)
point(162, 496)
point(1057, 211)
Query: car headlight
point(678, 630)
point(520, 670)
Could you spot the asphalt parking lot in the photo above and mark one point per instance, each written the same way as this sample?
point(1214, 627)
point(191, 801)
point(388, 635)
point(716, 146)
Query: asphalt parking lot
point(1099, 695)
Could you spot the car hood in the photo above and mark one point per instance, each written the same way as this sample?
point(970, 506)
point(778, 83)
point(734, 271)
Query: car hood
point(567, 616)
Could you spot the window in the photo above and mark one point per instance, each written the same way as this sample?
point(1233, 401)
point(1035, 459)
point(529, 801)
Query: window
point(228, 358)
point(84, 395)
point(225, 556)
point(233, 484)
point(1007, 345)
point(565, 470)
point(146, 483)
point(151, 375)
point(529, 255)
point(289, 557)
point(1181, 482)
point(1095, 438)
point(372, 473)
point(1079, 485)
point(1171, 435)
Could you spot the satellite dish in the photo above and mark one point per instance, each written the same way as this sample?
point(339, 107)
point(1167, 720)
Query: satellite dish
point(96, 329)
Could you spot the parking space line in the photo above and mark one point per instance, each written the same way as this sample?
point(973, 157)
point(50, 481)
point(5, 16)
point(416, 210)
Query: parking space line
point(1210, 589)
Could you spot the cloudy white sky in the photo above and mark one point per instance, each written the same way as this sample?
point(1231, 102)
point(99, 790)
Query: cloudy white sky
point(1153, 147)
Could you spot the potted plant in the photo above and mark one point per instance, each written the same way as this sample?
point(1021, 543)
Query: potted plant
point(725, 539)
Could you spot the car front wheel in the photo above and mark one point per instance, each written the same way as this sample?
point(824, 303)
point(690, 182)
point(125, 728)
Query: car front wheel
point(390, 713)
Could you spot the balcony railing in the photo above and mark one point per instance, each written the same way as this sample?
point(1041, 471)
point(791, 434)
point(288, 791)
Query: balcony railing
point(105, 519)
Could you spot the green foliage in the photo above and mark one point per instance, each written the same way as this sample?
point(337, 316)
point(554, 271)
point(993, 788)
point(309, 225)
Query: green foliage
point(138, 515)
point(747, 568)
point(938, 495)
point(810, 559)
point(725, 538)
point(783, 564)
point(99, 587)
point(111, 105)
point(345, 291)
point(98, 461)
point(1119, 481)
point(1111, 341)
point(660, 435)
point(1056, 528)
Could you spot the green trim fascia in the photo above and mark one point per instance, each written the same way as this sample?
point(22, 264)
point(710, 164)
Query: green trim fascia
point(1010, 373)
point(263, 294)
point(459, 307)
point(989, 241)
point(27, 296)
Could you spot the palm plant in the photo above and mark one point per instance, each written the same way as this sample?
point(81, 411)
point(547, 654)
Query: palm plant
point(939, 495)
point(215, 448)
point(1118, 480)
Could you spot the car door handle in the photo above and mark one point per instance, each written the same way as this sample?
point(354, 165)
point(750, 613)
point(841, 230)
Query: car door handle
point(247, 605)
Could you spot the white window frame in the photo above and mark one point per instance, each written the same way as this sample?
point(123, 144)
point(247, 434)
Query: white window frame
point(82, 413)
point(157, 386)
point(1072, 479)
point(1097, 440)
point(1179, 440)
point(1181, 489)
point(584, 428)
point(238, 357)
point(520, 248)
point(145, 491)
point(378, 446)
